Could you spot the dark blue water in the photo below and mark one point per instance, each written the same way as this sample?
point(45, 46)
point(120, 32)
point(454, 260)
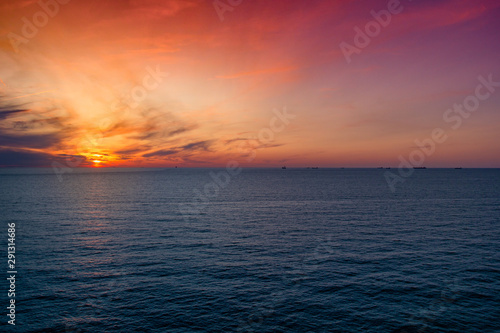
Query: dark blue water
point(325, 250)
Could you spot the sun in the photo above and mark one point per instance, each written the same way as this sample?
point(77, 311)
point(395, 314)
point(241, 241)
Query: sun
point(96, 159)
point(99, 159)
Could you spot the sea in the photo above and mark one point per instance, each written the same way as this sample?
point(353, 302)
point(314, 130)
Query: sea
point(252, 250)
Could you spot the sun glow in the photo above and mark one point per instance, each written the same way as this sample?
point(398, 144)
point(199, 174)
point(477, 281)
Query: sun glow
point(109, 94)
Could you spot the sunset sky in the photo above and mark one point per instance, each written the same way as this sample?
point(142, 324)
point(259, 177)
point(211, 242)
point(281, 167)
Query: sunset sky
point(79, 91)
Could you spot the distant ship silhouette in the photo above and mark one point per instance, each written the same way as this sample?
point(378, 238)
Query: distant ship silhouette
point(283, 167)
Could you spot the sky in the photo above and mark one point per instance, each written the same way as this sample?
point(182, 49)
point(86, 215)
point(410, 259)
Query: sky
point(198, 83)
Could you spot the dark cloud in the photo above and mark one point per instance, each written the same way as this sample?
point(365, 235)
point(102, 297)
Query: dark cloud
point(7, 111)
point(29, 141)
point(73, 160)
point(254, 143)
point(132, 150)
point(199, 145)
point(14, 135)
point(235, 140)
point(179, 131)
point(190, 147)
point(20, 131)
point(27, 158)
point(270, 145)
point(160, 131)
point(148, 135)
point(161, 153)
point(158, 125)
point(17, 158)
